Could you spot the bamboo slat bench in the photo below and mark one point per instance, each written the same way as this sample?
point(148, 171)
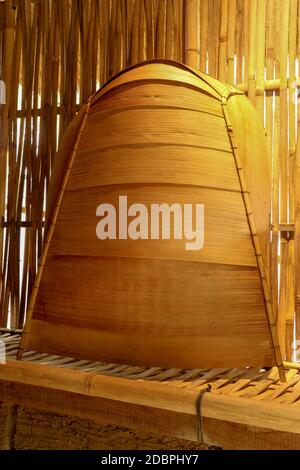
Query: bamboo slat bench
point(239, 408)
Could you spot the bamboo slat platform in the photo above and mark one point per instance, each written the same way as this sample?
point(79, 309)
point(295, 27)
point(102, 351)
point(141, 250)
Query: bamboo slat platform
point(240, 408)
point(256, 383)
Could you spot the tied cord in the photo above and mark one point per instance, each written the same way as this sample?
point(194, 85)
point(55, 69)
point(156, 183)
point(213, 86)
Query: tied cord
point(199, 414)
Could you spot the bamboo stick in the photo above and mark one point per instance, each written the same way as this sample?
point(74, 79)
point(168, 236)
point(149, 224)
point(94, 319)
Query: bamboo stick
point(282, 315)
point(153, 394)
point(142, 54)
point(260, 59)
point(246, 24)
point(252, 51)
point(161, 30)
point(270, 57)
point(231, 33)
point(134, 46)
point(192, 33)
point(8, 40)
point(240, 13)
point(291, 190)
point(170, 30)
point(148, 6)
point(223, 40)
point(203, 35)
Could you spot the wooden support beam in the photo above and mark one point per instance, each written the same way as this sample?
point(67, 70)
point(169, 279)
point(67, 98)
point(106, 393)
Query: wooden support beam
point(159, 396)
point(223, 434)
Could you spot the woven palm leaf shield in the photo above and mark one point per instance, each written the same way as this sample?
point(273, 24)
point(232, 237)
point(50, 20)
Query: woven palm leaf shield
point(159, 132)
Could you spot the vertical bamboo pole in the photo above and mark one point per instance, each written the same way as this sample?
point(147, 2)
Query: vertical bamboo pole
point(142, 54)
point(119, 45)
point(231, 32)
point(161, 30)
point(270, 57)
point(8, 42)
point(297, 233)
point(148, 6)
point(203, 35)
point(169, 30)
point(252, 51)
point(240, 13)
point(283, 146)
point(297, 195)
point(192, 33)
point(246, 25)
point(178, 27)
point(276, 158)
point(103, 39)
point(134, 45)
point(112, 49)
point(223, 40)
point(260, 60)
point(270, 100)
point(291, 189)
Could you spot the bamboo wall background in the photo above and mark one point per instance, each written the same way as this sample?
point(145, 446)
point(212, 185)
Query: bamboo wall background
point(55, 53)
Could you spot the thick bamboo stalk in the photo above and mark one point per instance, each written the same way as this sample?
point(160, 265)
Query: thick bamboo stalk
point(231, 34)
point(260, 59)
point(7, 68)
point(214, 21)
point(192, 33)
point(154, 395)
point(148, 6)
point(246, 24)
point(270, 136)
point(223, 41)
point(291, 189)
point(269, 58)
point(282, 315)
point(178, 28)
point(142, 54)
point(203, 35)
point(134, 45)
point(240, 14)
point(169, 30)
point(161, 29)
point(252, 51)
point(297, 236)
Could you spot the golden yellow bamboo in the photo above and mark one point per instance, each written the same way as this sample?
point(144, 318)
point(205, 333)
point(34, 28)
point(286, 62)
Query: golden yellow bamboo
point(290, 180)
point(239, 30)
point(282, 315)
point(252, 51)
point(8, 41)
point(68, 45)
point(223, 41)
point(231, 34)
point(260, 59)
point(192, 33)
